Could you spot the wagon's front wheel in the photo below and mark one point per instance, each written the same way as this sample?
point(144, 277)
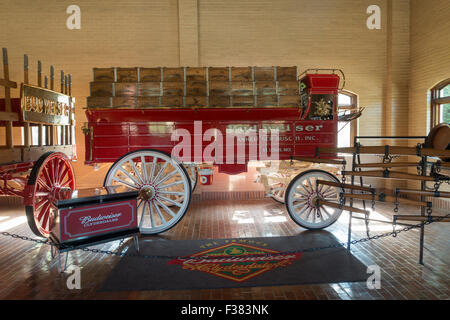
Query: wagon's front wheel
point(302, 195)
point(51, 174)
point(163, 184)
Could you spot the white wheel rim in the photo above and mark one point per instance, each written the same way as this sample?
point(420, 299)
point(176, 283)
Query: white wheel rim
point(163, 186)
point(302, 205)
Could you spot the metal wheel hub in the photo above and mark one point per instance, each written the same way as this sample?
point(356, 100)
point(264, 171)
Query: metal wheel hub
point(313, 201)
point(147, 193)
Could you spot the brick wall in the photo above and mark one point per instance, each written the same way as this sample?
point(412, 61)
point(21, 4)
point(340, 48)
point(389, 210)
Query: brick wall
point(304, 33)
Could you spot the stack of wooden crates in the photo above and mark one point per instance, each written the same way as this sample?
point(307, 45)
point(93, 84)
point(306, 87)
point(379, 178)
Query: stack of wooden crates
point(189, 87)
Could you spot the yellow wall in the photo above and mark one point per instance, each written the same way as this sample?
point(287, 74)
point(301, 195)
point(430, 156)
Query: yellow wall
point(430, 63)
point(430, 58)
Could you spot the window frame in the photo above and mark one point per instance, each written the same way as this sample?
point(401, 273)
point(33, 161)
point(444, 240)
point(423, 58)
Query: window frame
point(354, 104)
point(436, 101)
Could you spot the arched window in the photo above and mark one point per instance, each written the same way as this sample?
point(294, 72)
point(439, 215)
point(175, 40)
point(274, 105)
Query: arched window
point(347, 101)
point(440, 103)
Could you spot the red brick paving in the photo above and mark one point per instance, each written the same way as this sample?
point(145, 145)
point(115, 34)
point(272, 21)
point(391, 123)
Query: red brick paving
point(27, 270)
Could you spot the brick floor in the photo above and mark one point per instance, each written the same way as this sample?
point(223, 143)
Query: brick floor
point(27, 270)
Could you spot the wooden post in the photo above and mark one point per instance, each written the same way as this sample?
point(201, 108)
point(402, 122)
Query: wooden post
point(8, 124)
point(66, 90)
point(63, 128)
point(50, 128)
point(69, 86)
point(39, 81)
point(27, 134)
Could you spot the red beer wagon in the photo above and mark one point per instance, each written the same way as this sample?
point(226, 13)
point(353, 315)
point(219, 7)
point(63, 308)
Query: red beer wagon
point(158, 124)
point(35, 163)
point(35, 160)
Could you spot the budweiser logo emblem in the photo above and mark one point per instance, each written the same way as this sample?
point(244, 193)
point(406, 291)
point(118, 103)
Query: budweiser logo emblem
point(236, 261)
point(88, 221)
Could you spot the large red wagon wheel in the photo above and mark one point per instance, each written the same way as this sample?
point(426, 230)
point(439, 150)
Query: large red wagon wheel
point(51, 174)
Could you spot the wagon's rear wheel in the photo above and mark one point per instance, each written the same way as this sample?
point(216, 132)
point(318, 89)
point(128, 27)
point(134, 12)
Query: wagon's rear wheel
point(302, 195)
point(51, 174)
point(277, 187)
point(163, 184)
point(193, 175)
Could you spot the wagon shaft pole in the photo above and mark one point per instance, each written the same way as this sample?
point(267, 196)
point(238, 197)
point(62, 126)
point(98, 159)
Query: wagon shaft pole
point(388, 165)
point(318, 160)
point(345, 186)
point(419, 218)
point(407, 151)
point(436, 194)
point(381, 197)
point(387, 175)
point(338, 206)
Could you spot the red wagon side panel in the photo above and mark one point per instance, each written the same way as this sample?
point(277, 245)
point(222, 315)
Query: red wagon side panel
point(114, 133)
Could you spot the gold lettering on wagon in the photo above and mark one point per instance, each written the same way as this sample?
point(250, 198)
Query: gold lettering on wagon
point(45, 106)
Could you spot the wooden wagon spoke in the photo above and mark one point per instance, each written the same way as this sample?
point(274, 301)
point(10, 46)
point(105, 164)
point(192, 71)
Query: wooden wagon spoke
point(59, 171)
point(145, 178)
point(310, 185)
point(163, 220)
point(39, 205)
point(308, 213)
point(152, 219)
point(319, 212)
point(46, 219)
point(301, 193)
point(143, 212)
point(160, 171)
point(63, 174)
point(138, 175)
point(331, 197)
point(43, 184)
point(166, 177)
point(55, 169)
point(165, 208)
point(172, 192)
point(152, 170)
point(47, 176)
point(67, 183)
point(319, 187)
point(277, 189)
point(329, 193)
point(136, 183)
point(314, 215)
point(326, 211)
point(302, 203)
point(125, 183)
point(170, 201)
point(41, 194)
point(307, 191)
point(302, 211)
point(327, 188)
point(169, 185)
point(43, 210)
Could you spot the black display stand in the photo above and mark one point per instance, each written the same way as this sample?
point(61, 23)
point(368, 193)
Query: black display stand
point(85, 197)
